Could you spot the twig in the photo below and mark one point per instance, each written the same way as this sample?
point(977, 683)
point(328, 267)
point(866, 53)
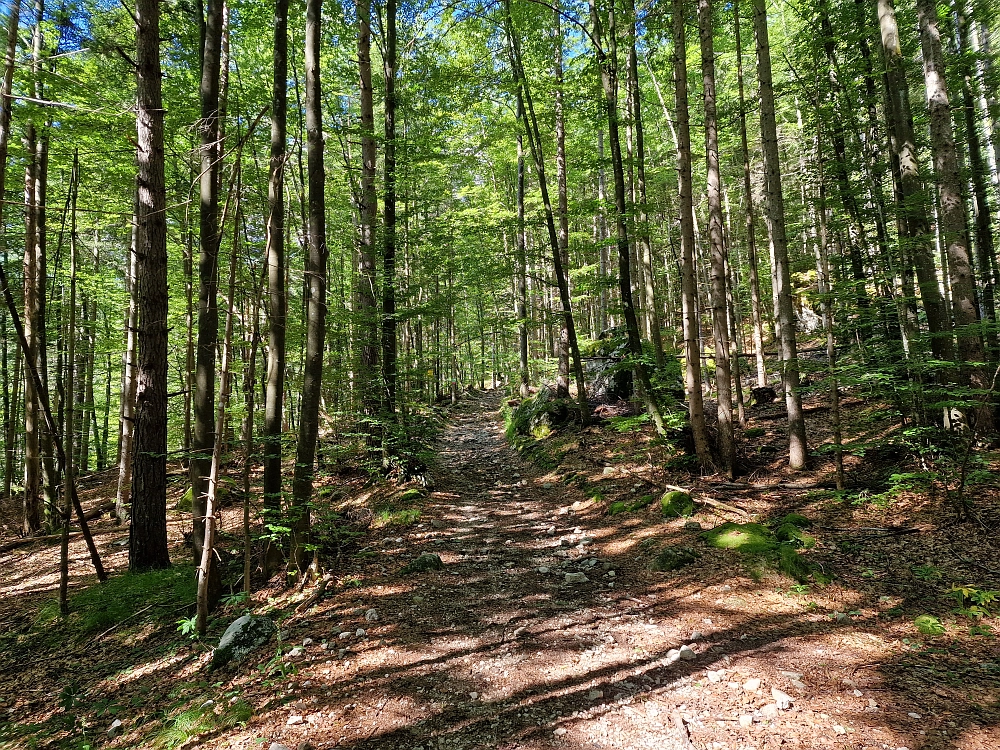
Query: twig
point(317, 593)
point(678, 722)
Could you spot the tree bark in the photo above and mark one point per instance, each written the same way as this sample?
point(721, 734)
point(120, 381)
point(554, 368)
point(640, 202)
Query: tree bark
point(719, 291)
point(389, 354)
point(316, 262)
point(148, 531)
point(780, 272)
point(520, 259)
point(562, 198)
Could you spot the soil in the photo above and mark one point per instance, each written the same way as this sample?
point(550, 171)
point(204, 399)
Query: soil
point(501, 649)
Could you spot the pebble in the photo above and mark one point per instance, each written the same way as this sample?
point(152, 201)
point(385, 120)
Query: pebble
point(593, 695)
point(752, 685)
point(473, 695)
point(295, 720)
point(610, 574)
point(692, 526)
point(297, 651)
point(576, 578)
point(673, 655)
point(371, 615)
point(792, 675)
point(746, 720)
point(559, 732)
point(771, 709)
point(914, 716)
point(543, 569)
point(360, 633)
point(344, 636)
point(687, 653)
point(838, 729)
point(713, 676)
point(696, 636)
point(551, 531)
point(547, 485)
point(608, 471)
point(307, 642)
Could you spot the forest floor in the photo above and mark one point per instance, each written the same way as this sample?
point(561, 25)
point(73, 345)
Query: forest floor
point(508, 646)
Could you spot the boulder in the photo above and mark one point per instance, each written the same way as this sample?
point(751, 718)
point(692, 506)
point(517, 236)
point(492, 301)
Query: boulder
point(426, 561)
point(673, 558)
point(677, 504)
point(243, 636)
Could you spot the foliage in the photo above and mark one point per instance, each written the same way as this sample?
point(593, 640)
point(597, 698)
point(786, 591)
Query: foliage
point(929, 625)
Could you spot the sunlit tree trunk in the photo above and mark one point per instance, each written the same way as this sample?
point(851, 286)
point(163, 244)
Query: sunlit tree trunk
point(780, 273)
point(389, 214)
point(719, 289)
point(562, 204)
point(521, 259)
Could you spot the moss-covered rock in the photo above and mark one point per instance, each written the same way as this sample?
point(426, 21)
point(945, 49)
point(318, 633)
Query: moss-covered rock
point(409, 495)
point(186, 503)
point(794, 535)
point(426, 561)
point(747, 538)
point(677, 504)
point(673, 558)
point(617, 507)
point(642, 502)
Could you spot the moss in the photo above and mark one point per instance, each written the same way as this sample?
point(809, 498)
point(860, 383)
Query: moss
point(642, 502)
point(796, 536)
point(427, 561)
point(677, 504)
point(187, 501)
point(797, 520)
point(792, 564)
point(673, 558)
point(617, 507)
point(754, 432)
point(747, 538)
point(410, 495)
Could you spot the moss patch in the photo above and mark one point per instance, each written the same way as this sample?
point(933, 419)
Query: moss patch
point(797, 520)
point(427, 561)
point(794, 535)
point(677, 504)
point(747, 538)
point(792, 564)
point(642, 502)
point(617, 507)
point(410, 495)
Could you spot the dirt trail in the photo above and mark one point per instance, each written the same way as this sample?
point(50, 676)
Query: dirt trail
point(502, 649)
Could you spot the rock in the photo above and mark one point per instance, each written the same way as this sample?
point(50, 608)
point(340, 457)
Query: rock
point(295, 720)
point(296, 652)
point(746, 720)
point(610, 574)
point(241, 637)
point(692, 526)
point(713, 676)
point(687, 653)
point(586, 540)
point(547, 485)
point(543, 569)
point(371, 615)
point(782, 699)
point(576, 578)
point(426, 561)
point(770, 710)
point(608, 471)
point(344, 636)
point(116, 728)
point(752, 685)
point(791, 675)
point(838, 729)
point(551, 531)
point(673, 655)
point(361, 633)
point(677, 504)
point(473, 695)
point(798, 684)
point(673, 558)
point(696, 636)
point(559, 732)
point(914, 716)
point(307, 642)
point(278, 746)
point(593, 695)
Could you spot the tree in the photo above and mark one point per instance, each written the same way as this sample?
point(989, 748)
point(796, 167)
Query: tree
point(148, 530)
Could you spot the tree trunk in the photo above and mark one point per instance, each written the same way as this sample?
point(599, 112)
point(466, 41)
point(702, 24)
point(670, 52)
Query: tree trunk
point(952, 212)
point(562, 199)
point(756, 310)
point(276, 288)
point(912, 208)
point(203, 433)
point(10, 50)
point(389, 214)
point(780, 272)
point(32, 520)
point(520, 259)
point(719, 291)
point(148, 531)
point(689, 290)
point(68, 470)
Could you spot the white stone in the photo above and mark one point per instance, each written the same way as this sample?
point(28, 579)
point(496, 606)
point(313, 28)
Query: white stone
point(687, 653)
point(344, 636)
point(713, 676)
point(295, 720)
point(746, 720)
point(474, 695)
point(914, 716)
point(115, 727)
point(752, 685)
point(782, 699)
point(771, 709)
point(838, 729)
point(543, 569)
point(576, 578)
point(371, 615)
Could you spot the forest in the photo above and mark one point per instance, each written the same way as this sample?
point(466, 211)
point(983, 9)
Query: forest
point(295, 292)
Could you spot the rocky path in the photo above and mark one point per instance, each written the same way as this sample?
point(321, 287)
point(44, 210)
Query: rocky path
point(544, 629)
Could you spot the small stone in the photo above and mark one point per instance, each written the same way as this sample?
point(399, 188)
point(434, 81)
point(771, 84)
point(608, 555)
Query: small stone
point(576, 578)
point(610, 574)
point(115, 728)
point(547, 485)
point(559, 732)
point(576, 505)
point(914, 716)
point(295, 720)
point(713, 676)
point(752, 685)
point(543, 569)
point(593, 695)
point(473, 695)
point(770, 710)
point(746, 720)
point(781, 698)
point(344, 636)
point(371, 615)
point(673, 655)
point(858, 694)
point(692, 526)
point(608, 471)
point(696, 636)
point(792, 675)
point(587, 540)
point(837, 728)
point(360, 633)
point(297, 651)
point(551, 531)
point(687, 653)
point(798, 685)
point(307, 642)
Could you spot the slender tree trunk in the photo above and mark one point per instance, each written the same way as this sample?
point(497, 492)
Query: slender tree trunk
point(203, 435)
point(389, 214)
point(719, 291)
point(32, 520)
point(148, 531)
point(535, 144)
point(562, 199)
point(276, 288)
point(316, 264)
point(68, 470)
point(689, 290)
point(780, 272)
point(520, 259)
point(129, 378)
point(368, 317)
point(756, 310)
point(952, 212)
